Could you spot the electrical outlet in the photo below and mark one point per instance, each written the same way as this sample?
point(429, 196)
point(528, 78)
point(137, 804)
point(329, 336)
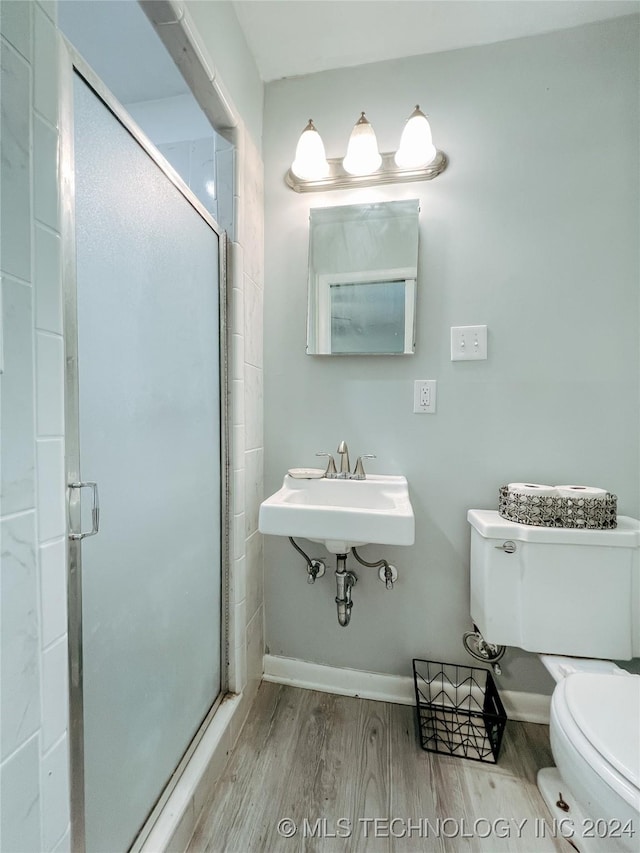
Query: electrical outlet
point(468, 343)
point(424, 396)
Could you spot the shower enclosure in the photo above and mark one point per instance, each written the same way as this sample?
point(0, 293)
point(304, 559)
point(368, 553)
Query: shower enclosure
point(146, 465)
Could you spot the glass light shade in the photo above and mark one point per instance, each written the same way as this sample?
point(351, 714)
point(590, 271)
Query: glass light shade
point(310, 162)
point(416, 145)
point(363, 156)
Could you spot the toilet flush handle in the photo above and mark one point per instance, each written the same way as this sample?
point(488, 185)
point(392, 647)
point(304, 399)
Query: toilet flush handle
point(508, 547)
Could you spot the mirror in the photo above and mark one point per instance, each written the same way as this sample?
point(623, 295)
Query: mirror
point(363, 267)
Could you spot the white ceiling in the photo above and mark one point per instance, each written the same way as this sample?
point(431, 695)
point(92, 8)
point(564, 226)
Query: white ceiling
point(291, 37)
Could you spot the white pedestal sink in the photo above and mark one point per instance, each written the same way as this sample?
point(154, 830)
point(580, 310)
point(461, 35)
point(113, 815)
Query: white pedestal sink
point(342, 514)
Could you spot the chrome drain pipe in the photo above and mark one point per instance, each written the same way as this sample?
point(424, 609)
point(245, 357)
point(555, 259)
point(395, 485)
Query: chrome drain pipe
point(345, 581)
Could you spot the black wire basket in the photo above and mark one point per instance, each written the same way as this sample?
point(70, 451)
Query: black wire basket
point(458, 710)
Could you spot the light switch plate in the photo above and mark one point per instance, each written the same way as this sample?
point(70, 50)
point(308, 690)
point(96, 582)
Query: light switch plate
point(468, 343)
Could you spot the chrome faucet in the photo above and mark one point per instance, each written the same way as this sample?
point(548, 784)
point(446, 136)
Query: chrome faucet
point(345, 473)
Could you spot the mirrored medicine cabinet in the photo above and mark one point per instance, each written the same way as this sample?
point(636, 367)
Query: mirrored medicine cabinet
point(363, 269)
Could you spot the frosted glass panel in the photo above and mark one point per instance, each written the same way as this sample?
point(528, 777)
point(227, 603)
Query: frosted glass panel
point(367, 318)
point(147, 281)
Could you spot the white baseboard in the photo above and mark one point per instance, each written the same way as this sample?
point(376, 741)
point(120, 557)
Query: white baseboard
point(527, 707)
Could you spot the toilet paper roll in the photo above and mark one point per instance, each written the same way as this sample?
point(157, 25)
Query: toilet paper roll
point(577, 492)
point(534, 489)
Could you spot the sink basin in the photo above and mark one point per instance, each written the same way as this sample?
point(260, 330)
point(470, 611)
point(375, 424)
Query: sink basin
point(341, 514)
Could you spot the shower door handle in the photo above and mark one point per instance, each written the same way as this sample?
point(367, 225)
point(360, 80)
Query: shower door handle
point(95, 509)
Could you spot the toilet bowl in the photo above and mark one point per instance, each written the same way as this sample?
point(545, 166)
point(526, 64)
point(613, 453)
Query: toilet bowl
point(595, 741)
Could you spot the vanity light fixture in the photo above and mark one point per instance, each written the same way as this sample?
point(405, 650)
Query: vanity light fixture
point(416, 144)
point(311, 161)
point(363, 157)
point(417, 159)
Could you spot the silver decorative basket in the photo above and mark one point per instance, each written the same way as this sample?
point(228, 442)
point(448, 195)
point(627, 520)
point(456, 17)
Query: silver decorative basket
point(587, 513)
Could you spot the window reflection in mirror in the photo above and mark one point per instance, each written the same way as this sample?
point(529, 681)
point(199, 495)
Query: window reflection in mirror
point(363, 262)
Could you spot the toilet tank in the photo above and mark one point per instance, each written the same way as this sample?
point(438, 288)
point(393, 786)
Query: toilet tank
point(556, 590)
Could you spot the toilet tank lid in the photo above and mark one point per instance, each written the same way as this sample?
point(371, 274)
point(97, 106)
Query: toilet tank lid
point(490, 524)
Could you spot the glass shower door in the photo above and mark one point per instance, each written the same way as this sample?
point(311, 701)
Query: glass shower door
point(147, 270)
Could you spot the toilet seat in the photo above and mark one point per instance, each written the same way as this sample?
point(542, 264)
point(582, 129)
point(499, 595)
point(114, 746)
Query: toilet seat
point(583, 705)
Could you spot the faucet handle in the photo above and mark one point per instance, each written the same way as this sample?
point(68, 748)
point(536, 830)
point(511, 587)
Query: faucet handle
point(331, 472)
point(358, 471)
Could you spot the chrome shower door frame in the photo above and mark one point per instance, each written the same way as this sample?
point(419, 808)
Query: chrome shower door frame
point(71, 62)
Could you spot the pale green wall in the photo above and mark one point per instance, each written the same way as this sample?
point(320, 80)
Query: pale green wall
point(532, 230)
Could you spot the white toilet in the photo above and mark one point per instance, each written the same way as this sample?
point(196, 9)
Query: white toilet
point(574, 597)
